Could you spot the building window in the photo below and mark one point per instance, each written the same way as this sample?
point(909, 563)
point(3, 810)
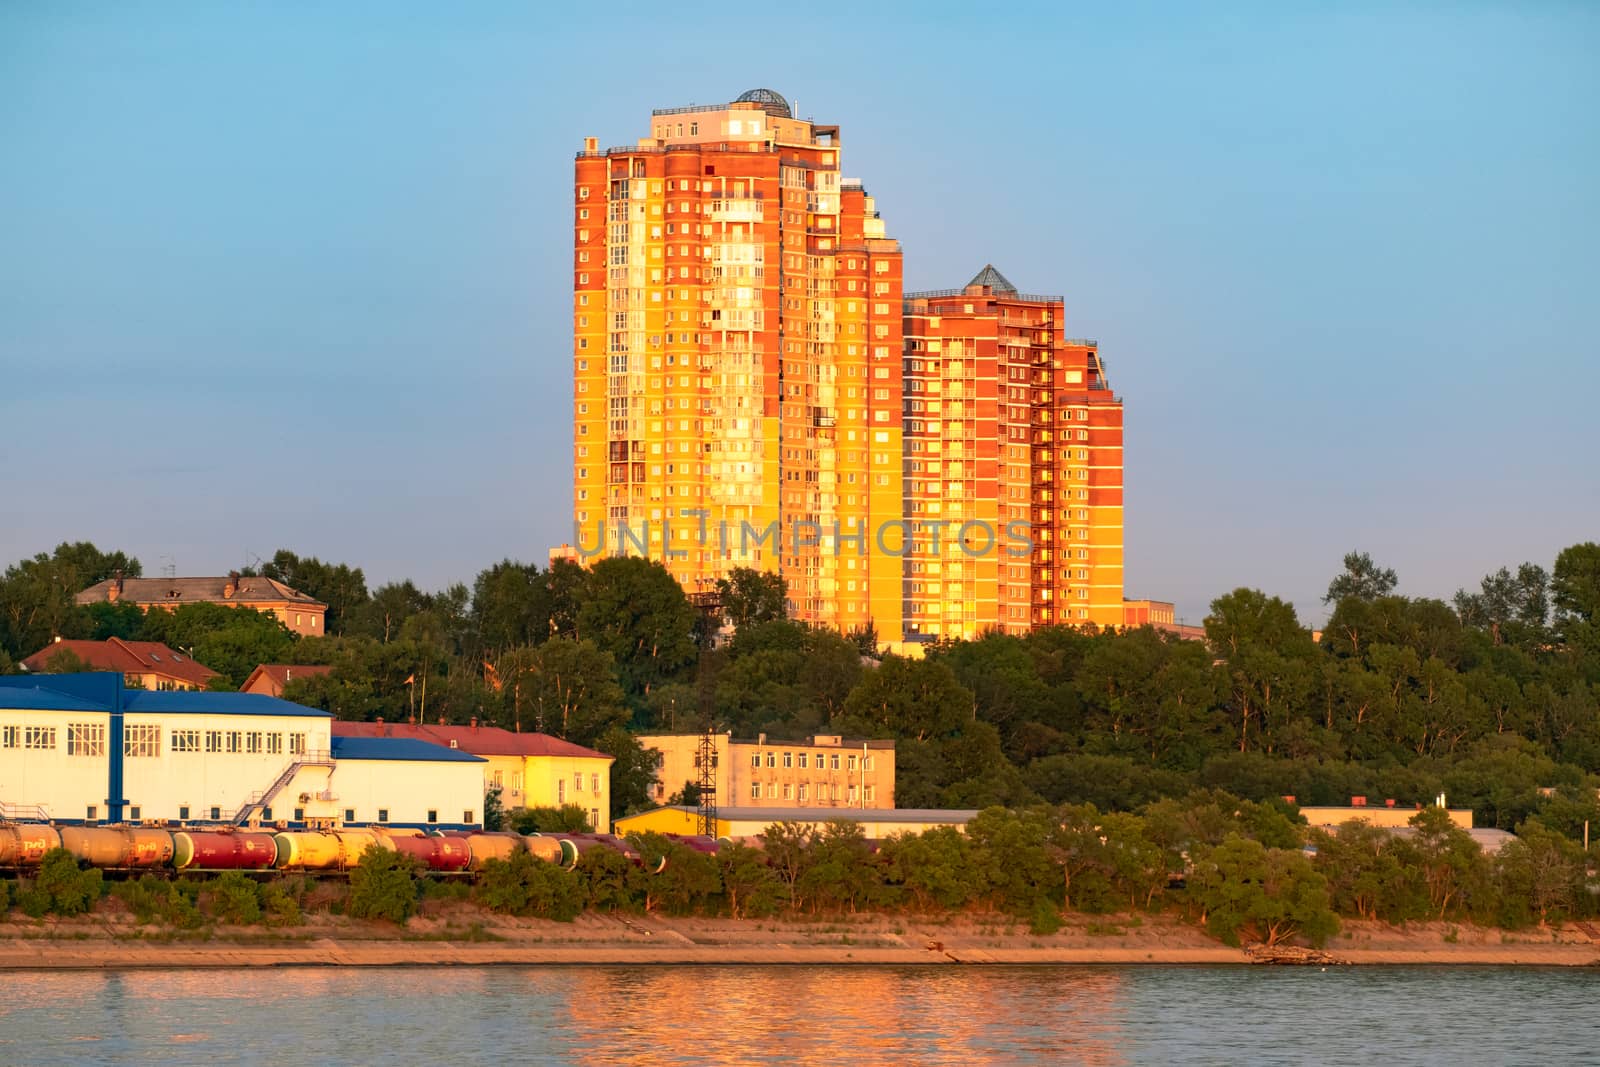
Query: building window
point(213, 740)
point(183, 813)
point(835, 761)
point(233, 741)
point(274, 744)
point(800, 793)
point(772, 759)
point(433, 816)
point(91, 814)
point(349, 814)
point(577, 781)
point(135, 813)
point(86, 739)
point(297, 744)
point(868, 793)
point(561, 792)
point(866, 763)
point(11, 736)
point(383, 814)
point(772, 790)
point(788, 760)
point(594, 818)
point(802, 761)
point(788, 791)
point(266, 814)
point(594, 783)
point(299, 814)
point(851, 763)
point(216, 813)
point(39, 737)
point(252, 742)
point(185, 741)
point(755, 790)
point(755, 759)
point(466, 817)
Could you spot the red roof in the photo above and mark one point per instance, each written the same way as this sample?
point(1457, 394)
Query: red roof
point(278, 675)
point(478, 740)
point(126, 657)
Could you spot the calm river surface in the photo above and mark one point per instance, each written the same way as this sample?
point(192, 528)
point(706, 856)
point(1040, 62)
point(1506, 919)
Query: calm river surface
point(825, 1015)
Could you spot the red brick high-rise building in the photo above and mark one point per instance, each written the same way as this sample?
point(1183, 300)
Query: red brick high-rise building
point(1010, 427)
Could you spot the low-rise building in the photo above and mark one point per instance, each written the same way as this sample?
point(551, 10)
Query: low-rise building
point(86, 748)
point(752, 822)
point(531, 770)
point(823, 771)
point(300, 613)
point(1387, 814)
point(270, 678)
point(142, 664)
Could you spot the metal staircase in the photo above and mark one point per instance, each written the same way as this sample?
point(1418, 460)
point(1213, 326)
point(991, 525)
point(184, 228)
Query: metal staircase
point(262, 800)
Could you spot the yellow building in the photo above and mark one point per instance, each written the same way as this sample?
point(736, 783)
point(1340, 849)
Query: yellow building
point(1388, 816)
point(736, 349)
point(825, 771)
point(531, 770)
point(752, 822)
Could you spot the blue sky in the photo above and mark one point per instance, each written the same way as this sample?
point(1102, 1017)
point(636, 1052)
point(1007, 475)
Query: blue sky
point(297, 275)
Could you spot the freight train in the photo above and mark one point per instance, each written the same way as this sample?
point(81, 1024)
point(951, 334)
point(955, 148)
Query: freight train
point(455, 852)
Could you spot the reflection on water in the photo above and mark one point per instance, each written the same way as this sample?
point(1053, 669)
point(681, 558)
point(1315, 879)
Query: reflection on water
point(828, 1015)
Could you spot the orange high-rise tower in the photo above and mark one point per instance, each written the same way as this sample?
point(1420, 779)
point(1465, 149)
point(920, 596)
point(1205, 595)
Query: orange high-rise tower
point(737, 347)
point(1010, 429)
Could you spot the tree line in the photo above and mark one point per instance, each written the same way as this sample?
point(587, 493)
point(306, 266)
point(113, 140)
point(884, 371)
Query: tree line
point(1489, 698)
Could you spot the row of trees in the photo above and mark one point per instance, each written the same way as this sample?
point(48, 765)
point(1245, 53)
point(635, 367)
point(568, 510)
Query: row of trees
point(1490, 698)
point(1244, 871)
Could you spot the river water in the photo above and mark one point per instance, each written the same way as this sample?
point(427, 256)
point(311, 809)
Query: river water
point(825, 1015)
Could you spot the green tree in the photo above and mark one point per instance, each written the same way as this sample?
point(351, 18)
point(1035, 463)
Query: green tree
point(383, 886)
point(1540, 874)
point(564, 687)
point(510, 606)
point(526, 885)
point(232, 641)
point(752, 596)
point(934, 867)
point(749, 885)
point(637, 612)
point(1011, 860)
point(1370, 873)
point(342, 587)
point(235, 899)
point(1361, 579)
point(1267, 894)
point(1268, 657)
point(1453, 867)
point(36, 595)
point(1575, 596)
point(65, 888)
point(567, 819)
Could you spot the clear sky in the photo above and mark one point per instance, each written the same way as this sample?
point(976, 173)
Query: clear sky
point(298, 274)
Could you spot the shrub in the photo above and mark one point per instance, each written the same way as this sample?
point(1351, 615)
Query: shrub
point(71, 891)
point(154, 899)
point(236, 899)
point(528, 886)
point(279, 906)
point(384, 886)
point(1046, 918)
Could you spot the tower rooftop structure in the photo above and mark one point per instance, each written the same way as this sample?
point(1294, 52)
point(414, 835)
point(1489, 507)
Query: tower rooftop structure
point(771, 102)
point(992, 279)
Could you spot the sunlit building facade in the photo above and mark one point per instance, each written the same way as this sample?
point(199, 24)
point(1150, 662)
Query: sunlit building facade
point(737, 347)
point(1013, 483)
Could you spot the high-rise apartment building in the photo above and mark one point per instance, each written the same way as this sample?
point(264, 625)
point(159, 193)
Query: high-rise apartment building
point(1013, 480)
point(737, 349)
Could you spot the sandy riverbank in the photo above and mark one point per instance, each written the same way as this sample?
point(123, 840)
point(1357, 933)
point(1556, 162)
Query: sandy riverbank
point(91, 944)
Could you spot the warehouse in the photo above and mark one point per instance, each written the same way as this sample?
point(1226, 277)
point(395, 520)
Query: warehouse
point(84, 748)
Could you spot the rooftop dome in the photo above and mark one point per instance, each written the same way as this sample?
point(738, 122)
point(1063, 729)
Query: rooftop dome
point(770, 102)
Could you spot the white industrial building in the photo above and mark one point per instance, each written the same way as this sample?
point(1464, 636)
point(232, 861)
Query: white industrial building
point(83, 748)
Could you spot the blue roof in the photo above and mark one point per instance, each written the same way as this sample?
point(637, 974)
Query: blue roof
point(191, 702)
point(97, 691)
point(399, 748)
point(38, 698)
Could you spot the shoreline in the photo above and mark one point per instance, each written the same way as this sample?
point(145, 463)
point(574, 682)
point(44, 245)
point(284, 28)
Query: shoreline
point(857, 941)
